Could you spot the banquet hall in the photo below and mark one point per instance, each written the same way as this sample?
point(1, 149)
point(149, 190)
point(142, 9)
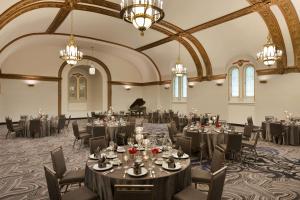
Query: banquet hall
point(149, 99)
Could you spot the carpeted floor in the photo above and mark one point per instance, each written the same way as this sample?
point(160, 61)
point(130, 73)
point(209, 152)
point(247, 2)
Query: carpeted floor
point(275, 174)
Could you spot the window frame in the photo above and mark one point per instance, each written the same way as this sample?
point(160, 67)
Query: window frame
point(77, 99)
point(180, 91)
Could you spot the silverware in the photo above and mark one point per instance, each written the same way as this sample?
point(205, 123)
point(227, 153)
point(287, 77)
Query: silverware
point(110, 171)
point(150, 173)
point(153, 173)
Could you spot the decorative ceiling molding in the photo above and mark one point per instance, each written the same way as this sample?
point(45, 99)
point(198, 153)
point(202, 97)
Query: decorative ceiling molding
point(10, 15)
point(272, 71)
point(28, 77)
point(58, 20)
point(291, 17)
point(275, 31)
point(83, 37)
point(214, 22)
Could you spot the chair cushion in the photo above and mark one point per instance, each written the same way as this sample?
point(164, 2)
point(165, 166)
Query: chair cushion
point(74, 176)
point(200, 175)
point(190, 193)
point(82, 193)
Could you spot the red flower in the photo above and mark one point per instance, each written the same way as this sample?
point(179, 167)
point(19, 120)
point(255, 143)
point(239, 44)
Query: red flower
point(132, 150)
point(155, 150)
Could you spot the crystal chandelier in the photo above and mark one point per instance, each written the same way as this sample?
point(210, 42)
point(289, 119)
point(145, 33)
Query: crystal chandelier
point(92, 69)
point(270, 54)
point(142, 13)
point(179, 69)
point(71, 53)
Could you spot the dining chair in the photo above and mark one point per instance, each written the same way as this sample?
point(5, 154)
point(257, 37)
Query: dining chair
point(82, 193)
point(247, 132)
point(96, 142)
point(79, 135)
point(186, 144)
point(215, 192)
point(35, 127)
point(276, 130)
point(65, 177)
point(134, 192)
point(204, 176)
point(13, 129)
point(251, 145)
point(233, 146)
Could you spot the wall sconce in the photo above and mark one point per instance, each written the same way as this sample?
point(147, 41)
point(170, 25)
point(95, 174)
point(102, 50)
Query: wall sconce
point(31, 83)
point(263, 79)
point(167, 86)
point(127, 87)
point(220, 82)
point(191, 84)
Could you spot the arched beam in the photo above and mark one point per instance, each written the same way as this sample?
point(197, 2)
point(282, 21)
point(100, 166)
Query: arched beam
point(275, 31)
point(108, 74)
point(12, 13)
point(291, 17)
point(83, 37)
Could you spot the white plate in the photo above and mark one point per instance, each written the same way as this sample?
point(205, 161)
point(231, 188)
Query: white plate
point(115, 162)
point(177, 166)
point(93, 157)
point(159, 162)
point(111, 156)
point(185, 156)
point(120, 149)
point(165, 155)
point(144, 171)
point(108, 166)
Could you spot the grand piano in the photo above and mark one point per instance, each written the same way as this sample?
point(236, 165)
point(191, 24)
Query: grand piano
point(137, 108)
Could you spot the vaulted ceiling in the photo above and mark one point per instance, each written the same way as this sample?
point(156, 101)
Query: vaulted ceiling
point(213, 33)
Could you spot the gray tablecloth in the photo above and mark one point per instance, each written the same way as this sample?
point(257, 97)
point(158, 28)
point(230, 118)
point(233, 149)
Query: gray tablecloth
point(165, 184)
point(291, 133)
point(47, 127)
point(110, 131)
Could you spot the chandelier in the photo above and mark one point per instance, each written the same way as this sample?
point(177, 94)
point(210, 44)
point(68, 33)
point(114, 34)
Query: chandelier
point(270, 54)
point(142, 13)
point(179, 69)
point(71, 53)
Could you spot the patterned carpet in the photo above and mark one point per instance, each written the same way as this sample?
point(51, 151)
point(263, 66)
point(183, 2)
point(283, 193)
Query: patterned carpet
point(275, 174)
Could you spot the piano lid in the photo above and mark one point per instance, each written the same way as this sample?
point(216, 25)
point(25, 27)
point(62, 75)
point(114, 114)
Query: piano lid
point(137, 103)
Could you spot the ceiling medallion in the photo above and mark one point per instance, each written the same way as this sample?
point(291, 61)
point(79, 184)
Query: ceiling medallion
point(71, 53)
point(270, 54)
point(142, 13)
point(179, 69)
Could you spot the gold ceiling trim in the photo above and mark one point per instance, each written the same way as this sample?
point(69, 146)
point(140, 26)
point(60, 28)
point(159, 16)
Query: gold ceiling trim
point(84, 37)
point(275, 31)
point(58, 20)
point(291, 17)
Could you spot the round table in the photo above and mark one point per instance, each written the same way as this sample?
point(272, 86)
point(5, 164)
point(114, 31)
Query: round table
point(166, 183)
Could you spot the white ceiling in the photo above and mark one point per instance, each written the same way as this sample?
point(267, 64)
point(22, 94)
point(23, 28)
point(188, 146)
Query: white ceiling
point(240, 37)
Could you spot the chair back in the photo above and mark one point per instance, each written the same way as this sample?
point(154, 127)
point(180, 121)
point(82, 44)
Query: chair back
point(276, 129)
point(9, 124)
point(61, 122)
point(195, 136)
point(217, 184)
point(98, 131)
point(35, 126)
point(256, 137)
point(130, 129)
point(250, 121)
point(75, 129)
point(133, 192)
point(248, 130)
point(96, 142)
point(68, 121)
point(234, 142)
point(186, 144)
point(52, 184)
point(58, 162)
point(218, 159)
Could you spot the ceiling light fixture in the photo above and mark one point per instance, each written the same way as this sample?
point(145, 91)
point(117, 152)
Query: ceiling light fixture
point(92, 69)
point(179, 69)
point(71, 53)
point(142, 13)
point(270, 54)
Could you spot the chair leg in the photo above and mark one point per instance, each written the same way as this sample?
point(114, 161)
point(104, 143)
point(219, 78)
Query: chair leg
point(67, 186)
point(74, 142)
point(7, 134)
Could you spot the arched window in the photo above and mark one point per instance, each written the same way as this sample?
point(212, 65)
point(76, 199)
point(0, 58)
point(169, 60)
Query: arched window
point(235, 82)
point(249, 81)
point(180, 84)
point(77, 88)
point(242, 83)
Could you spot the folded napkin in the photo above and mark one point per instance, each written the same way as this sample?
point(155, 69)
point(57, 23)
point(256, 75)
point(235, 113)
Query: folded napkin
point(137, 169)
point(102, 161)
point(171, 162)
point(180, 152)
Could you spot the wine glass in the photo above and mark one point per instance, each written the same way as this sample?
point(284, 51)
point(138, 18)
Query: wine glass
point(125, 158)
point(130, 141)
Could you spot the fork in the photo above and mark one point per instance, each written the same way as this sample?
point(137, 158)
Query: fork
point(153, 173)
point(110, 171)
